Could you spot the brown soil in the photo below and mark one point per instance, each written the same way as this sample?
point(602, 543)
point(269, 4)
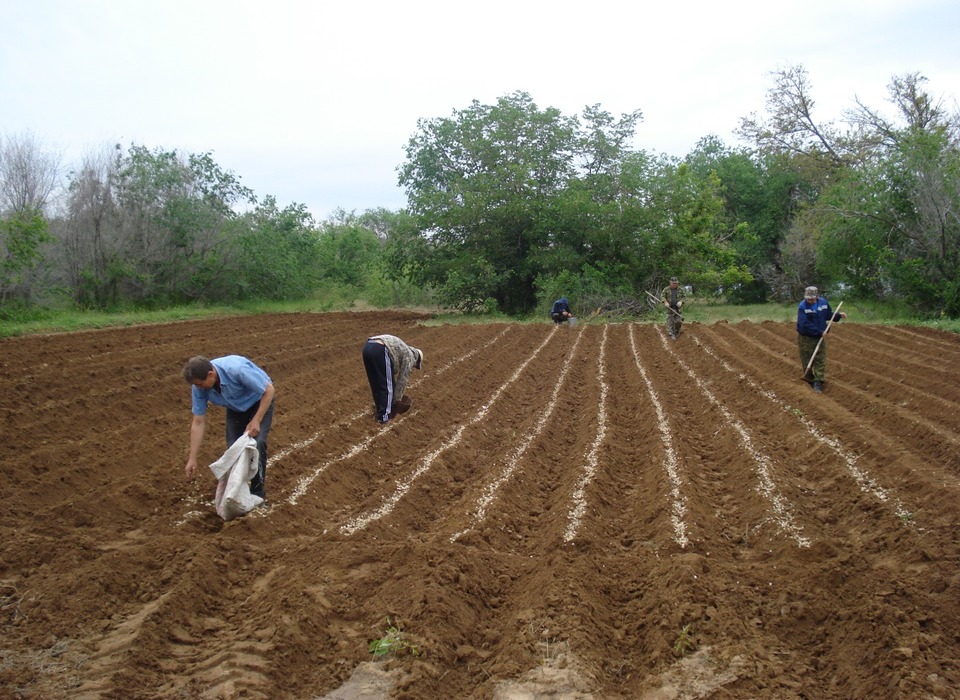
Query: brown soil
point(566, 512)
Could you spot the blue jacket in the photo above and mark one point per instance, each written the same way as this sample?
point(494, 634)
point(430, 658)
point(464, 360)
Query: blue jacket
point(812, 318)
point(559, 306)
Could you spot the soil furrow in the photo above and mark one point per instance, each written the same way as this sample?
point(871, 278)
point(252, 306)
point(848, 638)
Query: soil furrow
point(117, 579)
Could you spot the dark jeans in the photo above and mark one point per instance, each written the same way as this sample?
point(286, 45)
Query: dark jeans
point(236, 424)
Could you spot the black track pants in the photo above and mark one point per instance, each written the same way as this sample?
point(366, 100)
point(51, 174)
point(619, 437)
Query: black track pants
point(376, 360)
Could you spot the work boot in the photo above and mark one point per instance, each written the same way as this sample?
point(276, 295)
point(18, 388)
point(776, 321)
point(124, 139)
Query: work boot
point(818, 387)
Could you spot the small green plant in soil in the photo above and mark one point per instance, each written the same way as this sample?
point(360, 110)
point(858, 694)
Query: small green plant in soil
point(392, 642)
point(685, 642)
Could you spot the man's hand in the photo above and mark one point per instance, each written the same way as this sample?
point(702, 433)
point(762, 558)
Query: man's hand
point(197, 426)
point(679, 304)
point(401, 406)
point(253, 427)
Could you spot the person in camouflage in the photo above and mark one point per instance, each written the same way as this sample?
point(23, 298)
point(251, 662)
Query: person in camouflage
point(388, 361)
point(813, 315)
point(672, 298)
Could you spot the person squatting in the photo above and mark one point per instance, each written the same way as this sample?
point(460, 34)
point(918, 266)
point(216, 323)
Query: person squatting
point(561, 312)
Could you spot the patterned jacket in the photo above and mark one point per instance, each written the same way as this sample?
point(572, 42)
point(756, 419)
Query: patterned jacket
point(403, 359)
point(667, 295)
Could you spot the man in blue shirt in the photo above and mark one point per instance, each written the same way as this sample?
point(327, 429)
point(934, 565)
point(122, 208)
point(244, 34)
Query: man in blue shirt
point(813, 315)
point(246, 391)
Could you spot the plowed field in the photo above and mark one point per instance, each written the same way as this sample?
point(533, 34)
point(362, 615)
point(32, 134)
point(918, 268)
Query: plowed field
point(572, 512)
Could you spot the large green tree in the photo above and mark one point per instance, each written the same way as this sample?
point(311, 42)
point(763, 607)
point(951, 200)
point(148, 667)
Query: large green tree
point(349, 250)
point(274, 253)
point(480, 184)
point(21, 238)
point(682, 228)
point(812, 153)
point(511, 200)
point(759, 203)
point(173, 210)
point(91, 254)
point(150, 227)
point(878, 202)
point(892, 224)
point(29, 176)
point(592, 242)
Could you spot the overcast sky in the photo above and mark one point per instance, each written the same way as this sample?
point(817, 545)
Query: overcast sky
point(314, 101)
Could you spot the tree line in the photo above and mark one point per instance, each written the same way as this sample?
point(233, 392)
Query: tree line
point(510, 206)
point(154, 228)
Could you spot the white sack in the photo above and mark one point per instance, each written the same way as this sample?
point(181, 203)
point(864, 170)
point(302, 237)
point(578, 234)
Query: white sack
point(234, 470)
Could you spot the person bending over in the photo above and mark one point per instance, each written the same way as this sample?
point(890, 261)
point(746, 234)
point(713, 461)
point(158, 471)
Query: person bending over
point(246, 392)
point(388, 362)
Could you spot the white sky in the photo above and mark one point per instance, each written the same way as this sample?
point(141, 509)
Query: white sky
point(313, 101)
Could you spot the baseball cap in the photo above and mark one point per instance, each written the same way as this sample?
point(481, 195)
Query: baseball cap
point(811, 293)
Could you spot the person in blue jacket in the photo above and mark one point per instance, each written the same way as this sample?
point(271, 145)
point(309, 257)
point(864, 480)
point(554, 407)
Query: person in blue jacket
point(813, 315)
point(560, 311)
point(246, 391)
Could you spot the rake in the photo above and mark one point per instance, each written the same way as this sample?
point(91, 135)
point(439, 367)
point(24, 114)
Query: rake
point(820, 342)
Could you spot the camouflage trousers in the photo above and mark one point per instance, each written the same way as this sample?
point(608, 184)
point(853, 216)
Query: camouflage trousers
point(673, 323)
point(807, 345)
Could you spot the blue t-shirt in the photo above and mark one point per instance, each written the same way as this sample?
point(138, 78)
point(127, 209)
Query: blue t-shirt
point(242, 384)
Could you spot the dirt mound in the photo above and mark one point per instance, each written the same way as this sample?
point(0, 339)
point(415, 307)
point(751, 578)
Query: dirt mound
point(589, 511)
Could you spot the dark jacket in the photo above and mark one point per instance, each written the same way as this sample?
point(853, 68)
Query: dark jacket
point(812, 318)
point(559, 306)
